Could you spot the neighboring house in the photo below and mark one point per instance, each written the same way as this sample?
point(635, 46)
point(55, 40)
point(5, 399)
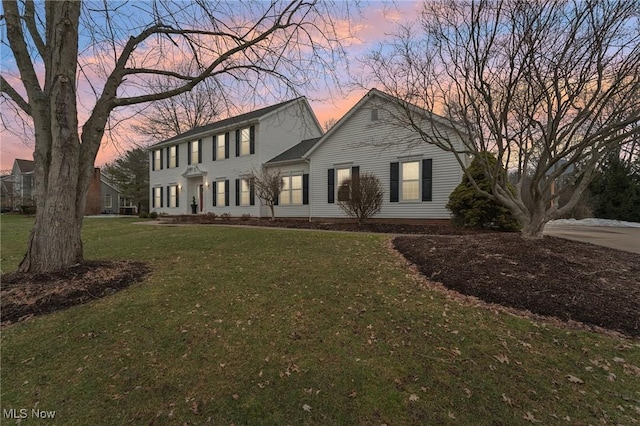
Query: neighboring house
point(18, 189)
point(416, 178)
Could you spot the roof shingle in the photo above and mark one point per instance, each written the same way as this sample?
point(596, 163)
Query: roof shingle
point(295, 152)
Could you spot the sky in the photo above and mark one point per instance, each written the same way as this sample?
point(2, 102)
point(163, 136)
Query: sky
point(372, 25)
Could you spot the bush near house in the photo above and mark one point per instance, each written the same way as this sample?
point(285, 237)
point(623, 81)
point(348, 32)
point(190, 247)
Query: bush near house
point(472, 209)
point(361, 197)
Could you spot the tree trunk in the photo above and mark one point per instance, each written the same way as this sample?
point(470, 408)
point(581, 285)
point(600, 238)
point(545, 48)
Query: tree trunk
point(273, 213)
point(61, 177)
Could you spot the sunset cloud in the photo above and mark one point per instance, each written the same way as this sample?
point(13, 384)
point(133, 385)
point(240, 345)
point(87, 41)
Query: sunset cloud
point(366, 28)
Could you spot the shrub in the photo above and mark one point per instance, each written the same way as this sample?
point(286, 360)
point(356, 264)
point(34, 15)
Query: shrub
point(226, 216)
point(361, 197)
point(153, 215)
point(245, 217)
point(143, 215)
point(473, 209)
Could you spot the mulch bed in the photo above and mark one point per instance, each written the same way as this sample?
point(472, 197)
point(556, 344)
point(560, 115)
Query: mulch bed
point(27, 295)
point(553, 277)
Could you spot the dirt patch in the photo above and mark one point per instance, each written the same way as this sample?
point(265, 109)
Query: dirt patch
point(553, 277)
point(27, 295)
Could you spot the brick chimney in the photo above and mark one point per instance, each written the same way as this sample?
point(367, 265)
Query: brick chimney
point(94, 195)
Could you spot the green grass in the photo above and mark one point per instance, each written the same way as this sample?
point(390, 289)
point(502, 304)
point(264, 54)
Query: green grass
point(251, 326)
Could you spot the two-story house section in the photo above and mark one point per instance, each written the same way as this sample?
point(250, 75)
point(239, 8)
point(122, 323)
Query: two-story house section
point(209, 166)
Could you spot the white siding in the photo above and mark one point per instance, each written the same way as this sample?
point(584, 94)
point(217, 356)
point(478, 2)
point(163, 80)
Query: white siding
point(274, 134)
point(373, 146)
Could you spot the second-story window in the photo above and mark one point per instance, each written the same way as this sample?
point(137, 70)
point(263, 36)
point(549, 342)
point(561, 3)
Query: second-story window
point(245, 138)
point(157, 159)
point(173, 156)
point(195, 152)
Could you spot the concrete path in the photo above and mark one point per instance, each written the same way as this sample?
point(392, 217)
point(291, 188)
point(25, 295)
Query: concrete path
point(627, 239)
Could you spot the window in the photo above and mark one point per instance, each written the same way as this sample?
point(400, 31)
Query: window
point(291, 190)
point(173, 196)
point(157, 197)
point(344, 177)
point(195, 152)
point(410, 181)
point(220, 147)
point(374, 115)
point(245, 192)
point(220, 193)
point(157, 159)
point(245, 142)
point(108, 202)
point(173, 156)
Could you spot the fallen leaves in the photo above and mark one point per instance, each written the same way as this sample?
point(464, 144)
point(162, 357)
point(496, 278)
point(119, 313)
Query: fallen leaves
point(306, 408)
point(574, 379)
point(530, 418)
point(502, 358)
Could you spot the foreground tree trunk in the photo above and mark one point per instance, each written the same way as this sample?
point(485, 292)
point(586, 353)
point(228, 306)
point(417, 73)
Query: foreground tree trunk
point(55, 241)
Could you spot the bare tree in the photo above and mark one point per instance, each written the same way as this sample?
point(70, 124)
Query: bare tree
point(362, 198)
point(268, 186)
point(169, 117)
point(272, 47)
point(549, 87)
point(329, 123)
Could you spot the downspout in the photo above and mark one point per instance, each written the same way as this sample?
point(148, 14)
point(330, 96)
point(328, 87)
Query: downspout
point(308, 160)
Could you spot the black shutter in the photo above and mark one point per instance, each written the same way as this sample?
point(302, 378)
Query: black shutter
point(168, 196)
point(238, 143)
point(215, 147)
point(331, 185)
point(153, 197)
point(161, 159)
point(252, 140)
point(305, 188)
point(177, 187)
point(355, 173)
point(189, 153)
point(237, 192)
point(215, 193)
point(168, 157)
point(199, 151)
point(226, 145)
point(275, 203)
point(252, 192)
point(394, 182)
point(427, 179)
point(226, 192)
point(177, 155)
point(153, 162)
point(161, 197)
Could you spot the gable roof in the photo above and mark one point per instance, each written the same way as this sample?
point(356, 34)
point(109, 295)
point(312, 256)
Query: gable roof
point(238, 119)
point(296, 152)
point(26, 166)
point(389, 98)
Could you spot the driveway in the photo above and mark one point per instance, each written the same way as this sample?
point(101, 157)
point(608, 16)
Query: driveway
point(627, 239)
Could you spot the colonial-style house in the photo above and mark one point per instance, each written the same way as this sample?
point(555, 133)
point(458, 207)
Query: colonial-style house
point(417, 178)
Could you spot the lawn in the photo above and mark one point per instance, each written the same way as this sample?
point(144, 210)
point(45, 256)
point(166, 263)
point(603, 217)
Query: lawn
point(254, 326)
